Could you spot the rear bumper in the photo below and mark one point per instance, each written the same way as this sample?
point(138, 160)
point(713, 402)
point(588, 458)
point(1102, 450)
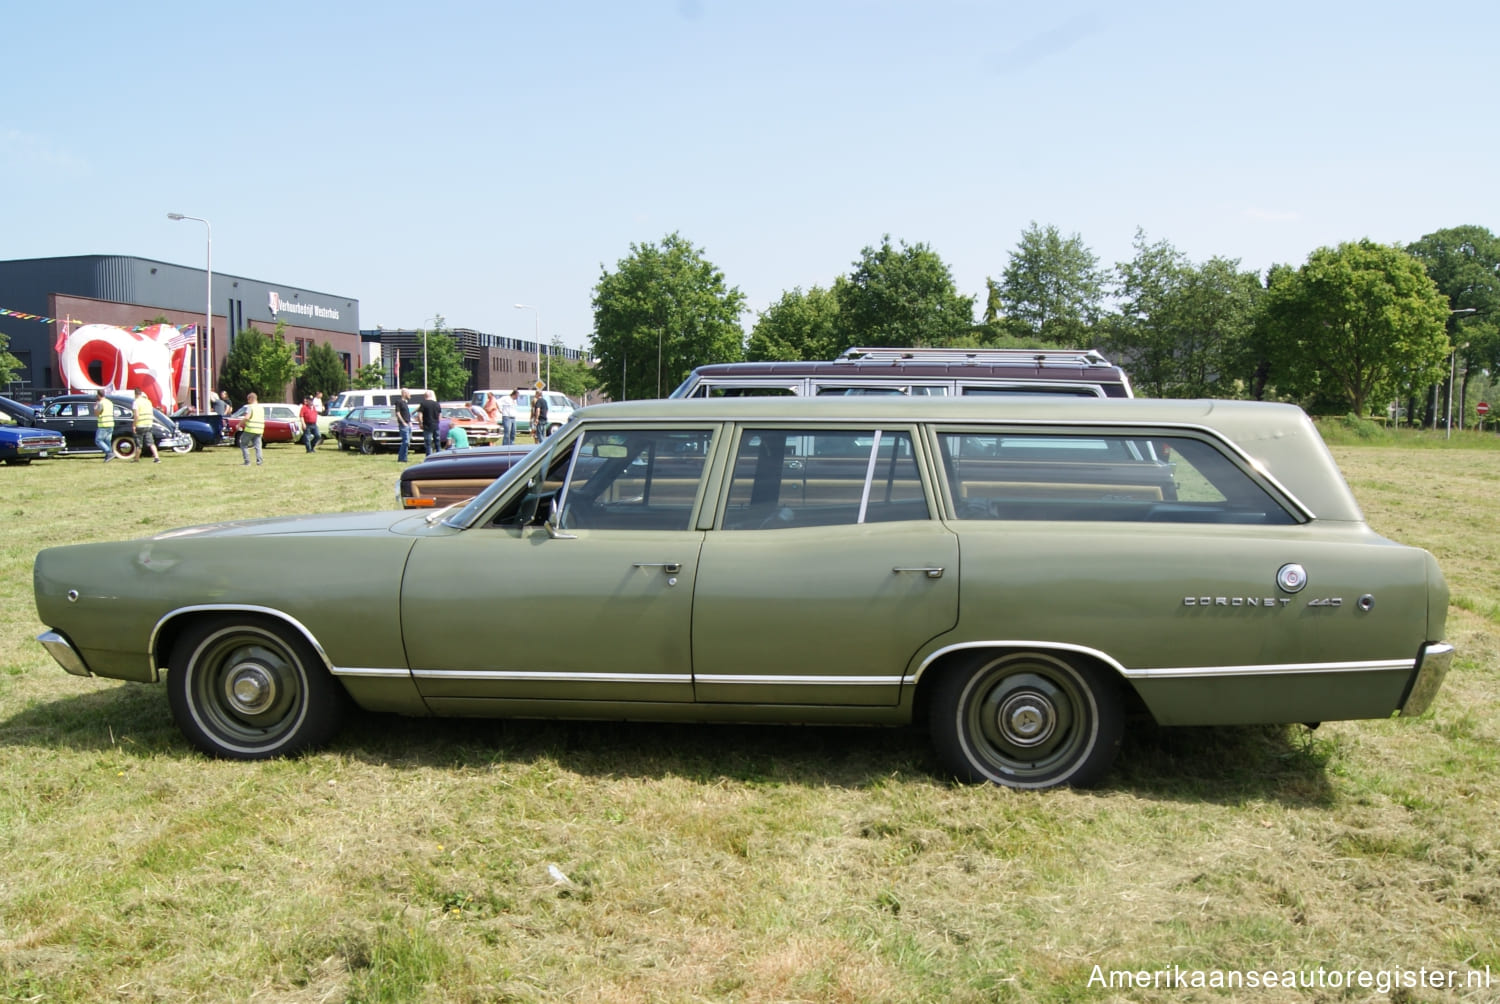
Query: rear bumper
point(1436, 658)
point(61, 649)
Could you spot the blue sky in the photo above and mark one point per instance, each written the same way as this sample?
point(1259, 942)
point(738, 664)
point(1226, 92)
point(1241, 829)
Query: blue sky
point(457, 158)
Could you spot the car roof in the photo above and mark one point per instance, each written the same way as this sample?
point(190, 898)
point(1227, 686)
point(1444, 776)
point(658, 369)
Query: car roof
point(1279, 437)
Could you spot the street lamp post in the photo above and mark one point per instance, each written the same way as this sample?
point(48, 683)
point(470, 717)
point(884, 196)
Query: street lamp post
point(1453, 367)
point(537, 315)
point(205, 369)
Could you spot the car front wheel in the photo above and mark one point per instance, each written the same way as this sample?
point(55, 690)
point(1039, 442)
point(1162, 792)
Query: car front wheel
point(248, 688)
point(186, 446)
point(1027, 720)
point(366, 445)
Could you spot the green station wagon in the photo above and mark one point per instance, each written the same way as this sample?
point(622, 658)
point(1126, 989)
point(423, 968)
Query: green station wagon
point(1024, 575)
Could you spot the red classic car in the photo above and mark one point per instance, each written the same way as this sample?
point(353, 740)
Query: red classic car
point(283, 423)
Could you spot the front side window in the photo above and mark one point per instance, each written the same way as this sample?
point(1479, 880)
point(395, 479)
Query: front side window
point(634, 479)
point(789, 477)
point(1113, 478)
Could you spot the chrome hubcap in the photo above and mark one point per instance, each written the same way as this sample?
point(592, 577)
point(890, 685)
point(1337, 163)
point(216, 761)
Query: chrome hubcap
point(1027, 719)
point(250, 688)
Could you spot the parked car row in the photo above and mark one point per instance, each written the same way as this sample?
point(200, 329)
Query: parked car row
point(72, 417)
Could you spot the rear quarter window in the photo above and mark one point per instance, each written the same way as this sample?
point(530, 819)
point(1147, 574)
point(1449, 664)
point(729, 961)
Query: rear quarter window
point(1109, 478)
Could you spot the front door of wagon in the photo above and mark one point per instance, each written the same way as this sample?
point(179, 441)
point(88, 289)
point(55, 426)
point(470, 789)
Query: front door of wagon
point(596, 607)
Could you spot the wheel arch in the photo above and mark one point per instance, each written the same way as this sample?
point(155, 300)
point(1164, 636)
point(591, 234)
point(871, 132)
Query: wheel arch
point(170, 627)
point(944, 660)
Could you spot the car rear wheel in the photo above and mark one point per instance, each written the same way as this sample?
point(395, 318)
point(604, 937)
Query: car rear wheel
point(124, 447)
point(248, 688)
point(366, 445)
point(1027, 720)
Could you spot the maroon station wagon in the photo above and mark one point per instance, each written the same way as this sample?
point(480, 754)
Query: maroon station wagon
point(918, 373)
point(456, 475)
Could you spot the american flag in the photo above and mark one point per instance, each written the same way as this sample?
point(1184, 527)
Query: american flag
point(183, 338)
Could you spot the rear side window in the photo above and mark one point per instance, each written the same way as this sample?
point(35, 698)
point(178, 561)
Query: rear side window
point(1111, 478)
point(790, 478)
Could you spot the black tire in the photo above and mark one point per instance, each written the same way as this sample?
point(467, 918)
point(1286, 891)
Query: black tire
point(17, 461)
point(1027, 720)
point(244, 687)
point(342, 445)
point(366, 445)
point(125, 447)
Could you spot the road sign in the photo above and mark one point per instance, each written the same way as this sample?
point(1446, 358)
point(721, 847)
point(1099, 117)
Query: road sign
point(1483, 407)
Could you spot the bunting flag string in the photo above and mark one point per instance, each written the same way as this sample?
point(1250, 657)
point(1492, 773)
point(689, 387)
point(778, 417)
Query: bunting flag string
point(21, 315)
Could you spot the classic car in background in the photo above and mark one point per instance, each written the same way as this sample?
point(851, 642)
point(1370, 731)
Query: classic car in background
point(456, 475)
point(481, 431)
point(283, 423)
point(917, 372)
point(559, 407)
point(1016, 572)
point(369, 429)
point(20, 445)
point(72, 416)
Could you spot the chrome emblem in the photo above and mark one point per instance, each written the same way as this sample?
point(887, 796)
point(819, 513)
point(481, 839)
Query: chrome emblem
point(1291, 577)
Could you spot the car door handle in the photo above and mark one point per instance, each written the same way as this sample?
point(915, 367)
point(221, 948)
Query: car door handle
point(931, 571)
point(669, 567)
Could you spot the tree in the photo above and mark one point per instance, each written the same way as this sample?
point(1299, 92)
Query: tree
point(1357, 322)
point(1183, 330)
point(901, 297)
point(258, 362)
point(10, 366)
point(664, 310)
point(441, 366)
point(322, 373)
point(1052, 290)
point(1465, 264)
point(370, 376)
point(573, 377)
point(799, 326)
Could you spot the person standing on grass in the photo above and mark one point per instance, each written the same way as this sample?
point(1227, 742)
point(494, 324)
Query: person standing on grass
point(538, 416)
point(508, 418)
point(145, 426)
point(104, 432)
point(254, 430)
point(403, 419)
point(432, 415)
point(309, 416)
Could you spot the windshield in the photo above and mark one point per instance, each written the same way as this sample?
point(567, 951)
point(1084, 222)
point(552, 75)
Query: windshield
point(465, 517)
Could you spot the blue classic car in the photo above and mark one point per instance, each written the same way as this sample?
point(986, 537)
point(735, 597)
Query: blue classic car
point(20, 445)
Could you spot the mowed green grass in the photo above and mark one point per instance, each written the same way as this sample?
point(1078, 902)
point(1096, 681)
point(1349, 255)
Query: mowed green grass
point(413, 861)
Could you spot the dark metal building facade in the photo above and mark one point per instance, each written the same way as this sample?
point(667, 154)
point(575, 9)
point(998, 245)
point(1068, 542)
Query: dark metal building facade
point(127, 291)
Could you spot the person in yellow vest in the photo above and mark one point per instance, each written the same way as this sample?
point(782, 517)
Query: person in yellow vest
point(145, 425)
point(255, 428)
point(104, 429)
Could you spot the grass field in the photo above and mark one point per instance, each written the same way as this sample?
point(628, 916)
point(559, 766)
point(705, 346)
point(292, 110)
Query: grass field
point(415, 859)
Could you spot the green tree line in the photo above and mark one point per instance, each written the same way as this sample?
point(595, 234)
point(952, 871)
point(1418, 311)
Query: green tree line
point(1356, 328)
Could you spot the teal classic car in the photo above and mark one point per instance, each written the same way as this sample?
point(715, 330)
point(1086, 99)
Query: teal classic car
point(1024, 575)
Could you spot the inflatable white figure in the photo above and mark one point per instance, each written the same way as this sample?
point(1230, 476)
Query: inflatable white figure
point(127, 360)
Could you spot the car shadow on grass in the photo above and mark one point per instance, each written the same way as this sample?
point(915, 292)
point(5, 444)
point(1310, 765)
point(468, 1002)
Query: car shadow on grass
point(1283, 764)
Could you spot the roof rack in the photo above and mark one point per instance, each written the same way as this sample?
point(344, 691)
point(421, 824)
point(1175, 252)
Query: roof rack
point(1037, 357)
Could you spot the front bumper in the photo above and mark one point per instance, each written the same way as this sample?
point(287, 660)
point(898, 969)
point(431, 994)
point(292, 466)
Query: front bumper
point(1436, 658)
